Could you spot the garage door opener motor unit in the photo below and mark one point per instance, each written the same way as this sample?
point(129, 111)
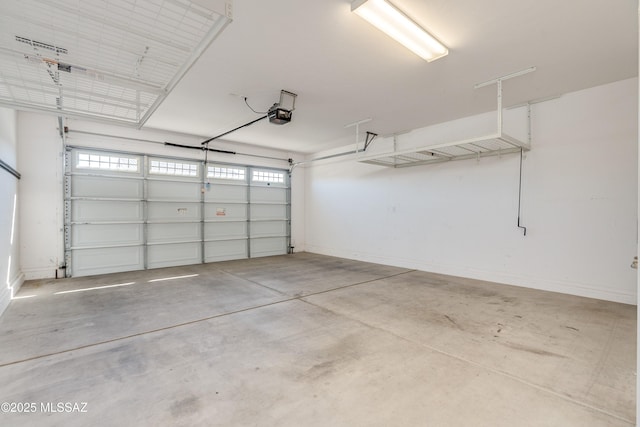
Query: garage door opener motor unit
point(280, 113)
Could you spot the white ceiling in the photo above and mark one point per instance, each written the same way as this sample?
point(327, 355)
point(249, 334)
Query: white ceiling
point(344, 70)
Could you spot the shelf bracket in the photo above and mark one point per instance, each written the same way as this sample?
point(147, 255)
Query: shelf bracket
point(498, 82)
point(369, 139)
point(357, 126)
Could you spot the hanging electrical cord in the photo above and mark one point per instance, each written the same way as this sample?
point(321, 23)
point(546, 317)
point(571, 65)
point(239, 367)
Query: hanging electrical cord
point(520, 193)
point(277, 114)
point(251, 108)
point(207, 141)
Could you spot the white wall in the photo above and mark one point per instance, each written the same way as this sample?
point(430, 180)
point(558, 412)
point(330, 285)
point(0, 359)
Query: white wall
point(41, 203)
point(10, 275)
point(579, 205)
point(40, 150)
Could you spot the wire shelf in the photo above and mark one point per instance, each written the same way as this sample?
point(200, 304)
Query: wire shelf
point(111, 59)
point(483, 146)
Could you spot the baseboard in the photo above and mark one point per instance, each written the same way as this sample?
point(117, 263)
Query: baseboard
point(5, 298)
point(543, 284)
point(17, 284)
point(39, 273)
point(7, 293)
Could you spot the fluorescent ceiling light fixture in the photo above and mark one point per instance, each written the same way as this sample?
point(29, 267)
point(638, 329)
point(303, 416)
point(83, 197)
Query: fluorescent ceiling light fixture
point(390, 20)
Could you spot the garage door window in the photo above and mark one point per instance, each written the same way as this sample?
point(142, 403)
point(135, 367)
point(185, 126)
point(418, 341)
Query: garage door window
point(100, 161)
point(237, 174)
point(158, 167)
point(268, 176)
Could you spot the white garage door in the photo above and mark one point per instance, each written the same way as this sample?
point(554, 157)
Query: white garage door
point(268, 213)
point(225, 212)
point(130, 212)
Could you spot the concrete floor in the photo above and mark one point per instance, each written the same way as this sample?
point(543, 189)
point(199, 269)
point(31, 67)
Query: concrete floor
point(308, 340)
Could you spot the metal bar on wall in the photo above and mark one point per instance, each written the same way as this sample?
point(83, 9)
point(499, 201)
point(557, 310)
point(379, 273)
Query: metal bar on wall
point(9, 169)
point(249, 174)
point(145, 211)
point(289, 247)
point(203, 187)
point(68, 159)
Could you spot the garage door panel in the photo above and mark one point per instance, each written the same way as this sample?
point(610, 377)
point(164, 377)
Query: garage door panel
point(174, 254)
point(268, 212)
point(225, 211)
point(131, 212)
point(101, 210)
point(268, 246)
point(225, 230)
point(88, 262)
point(226, 193)
point(106, 187)
point(158, 233)
point(163, 211)
point(268, 228)
point(106, 235)
point(168, 190)
point(225, 250)
point(268, 194)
